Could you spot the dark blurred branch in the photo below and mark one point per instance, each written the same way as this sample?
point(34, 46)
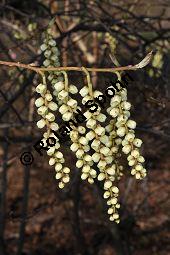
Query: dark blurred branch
point(24, 209)
point(3, 189)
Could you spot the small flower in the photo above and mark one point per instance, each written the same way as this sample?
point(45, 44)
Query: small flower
point(59, 86)
point(107, 184)
point(52, 106)
point(126, 105)
point(137, 142)
point(73, 89)
point(41, 123)
point(121, 131)
point(114, 112)
point(63, 109)
point(48, 97)
point(99, 130)
point(101, 177)
point(54, 126)
point(52, 42)
point(50, 117)
point(41, 88)
point(96, 157)
point(84, 91)
point(91, 123)
point(43, 47)
point(42, 110)
point(131, 124)
point(39, 102)
point(46, 62)
point(67, 116)
point(62, 94)
point(126, 149)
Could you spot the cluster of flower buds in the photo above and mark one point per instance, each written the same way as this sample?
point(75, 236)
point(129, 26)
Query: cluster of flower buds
point(103, 155)
point(46, 107)
point(120, 110)
point(97, 146)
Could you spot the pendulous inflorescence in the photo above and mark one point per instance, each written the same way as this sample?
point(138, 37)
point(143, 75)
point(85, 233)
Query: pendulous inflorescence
point(98, 147)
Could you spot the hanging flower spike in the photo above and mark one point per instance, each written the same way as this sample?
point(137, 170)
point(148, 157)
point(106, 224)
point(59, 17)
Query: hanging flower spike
point(102, 155)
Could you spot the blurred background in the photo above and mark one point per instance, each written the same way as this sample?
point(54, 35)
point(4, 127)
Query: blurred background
point(35, 216)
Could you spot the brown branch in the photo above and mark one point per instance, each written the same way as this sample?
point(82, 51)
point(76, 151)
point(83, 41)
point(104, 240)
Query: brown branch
point(41, 70)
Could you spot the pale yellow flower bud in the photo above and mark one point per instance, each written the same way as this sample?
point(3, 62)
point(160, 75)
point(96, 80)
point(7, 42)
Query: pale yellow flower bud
point(39, 102)
point(90, 135)
point(58, 175)
point(72, 103)
point(126, 105)
point(74, 147)
point(138, 167)
point(63, 109)
point(66, 179)
point(96, 157)
point(91, 123)
point(59, 86)
point(84, 176)
point(137, 142)
point(59, 154)
point(42, 110)
point(61, 185)
point(84, 91)
point(51, 151)
point(115, 216)
point(87, 158)
point(115, 189)
point(50, 116)
point(62, 94)
point(41, 123)
point(93, 173)
point(67, 116)
point(141, 159)
point(110, 211)
point(81, 130)
point(105, 150)
point(135, 153)
point(41, 88)
point(130, 137)
point(66, 170)
point(107, 184)
point(114, 112)
point(99, 130)
point(131, 124)
point(106, 194)
point(111, 171)
point(86, 169)
point(102, 164)
point(52, 106)
point(73, 89)
point(131, 162)
point(121, 131)
point(79, 163)
point(126, 149)
point(101, 177)
point(54, 126)
point(101, 117)
point(58, 167)
point(83, 140)
point(48, 97)
point(79, 153)
point(52, 161)
point(90, 180)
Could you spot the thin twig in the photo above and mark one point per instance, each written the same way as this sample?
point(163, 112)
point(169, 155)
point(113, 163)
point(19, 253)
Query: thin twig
point(40, 70)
